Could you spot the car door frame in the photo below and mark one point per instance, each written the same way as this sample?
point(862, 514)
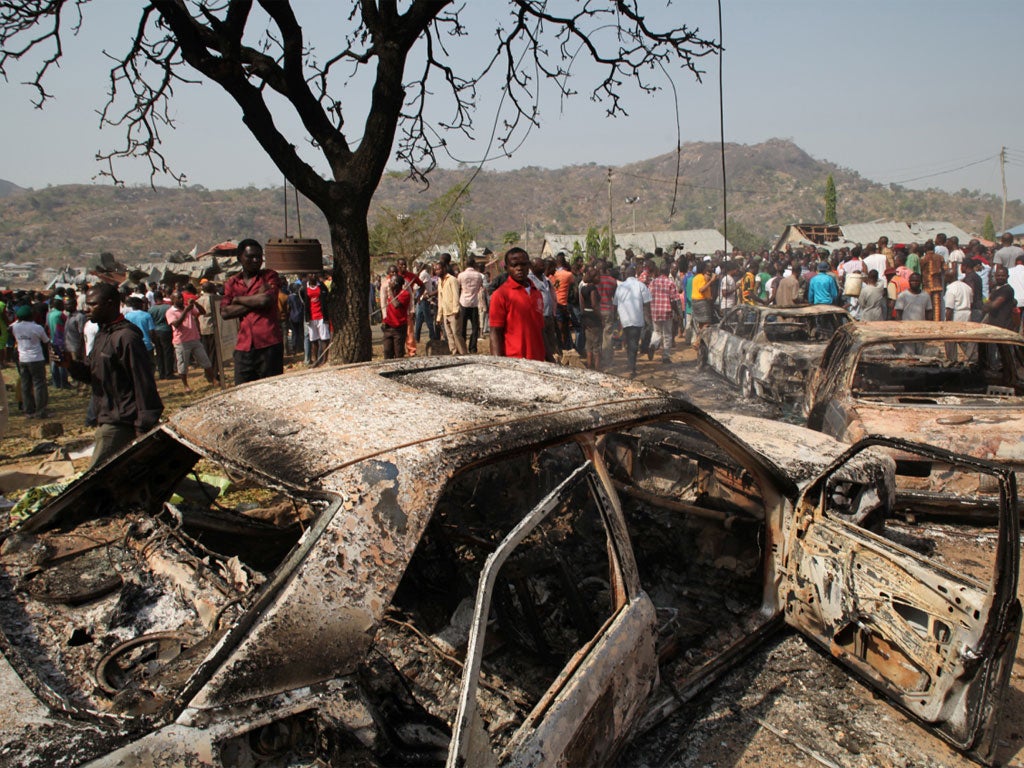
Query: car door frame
point(719, 336)
point(812, 595)
point(622, 650)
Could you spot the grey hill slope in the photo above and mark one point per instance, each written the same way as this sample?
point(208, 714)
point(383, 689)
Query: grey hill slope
point(771, 184)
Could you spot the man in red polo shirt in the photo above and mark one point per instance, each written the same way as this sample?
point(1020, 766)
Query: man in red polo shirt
point(517, 312)
point(251, 296)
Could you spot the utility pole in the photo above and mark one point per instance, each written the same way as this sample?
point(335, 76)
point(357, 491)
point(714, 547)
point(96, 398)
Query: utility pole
point(632, 200)
point(611, 237)
point(1002, 168)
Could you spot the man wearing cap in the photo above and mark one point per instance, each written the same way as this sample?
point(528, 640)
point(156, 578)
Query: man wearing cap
point(822, 288)
point(251, 296)
point(32, 340)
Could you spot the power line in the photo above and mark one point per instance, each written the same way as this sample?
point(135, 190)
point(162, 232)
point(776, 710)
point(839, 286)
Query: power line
point(943, 173)
point(922, 167)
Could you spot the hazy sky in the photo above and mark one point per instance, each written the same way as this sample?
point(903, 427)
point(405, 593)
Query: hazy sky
point(894, 89)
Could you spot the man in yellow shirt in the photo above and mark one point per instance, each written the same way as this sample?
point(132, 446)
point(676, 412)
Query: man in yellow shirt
point(701, 297)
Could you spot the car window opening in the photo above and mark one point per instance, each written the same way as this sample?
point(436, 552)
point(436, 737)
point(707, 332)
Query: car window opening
point(696, 520)
point(803, 328)
point(855, 494)
point(551, 596)
point(114, 603)
point(944, 370)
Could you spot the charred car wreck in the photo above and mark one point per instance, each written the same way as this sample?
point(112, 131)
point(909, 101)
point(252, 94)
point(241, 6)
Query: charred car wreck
point(768, 352)
point(469, 561)
point(959, 386)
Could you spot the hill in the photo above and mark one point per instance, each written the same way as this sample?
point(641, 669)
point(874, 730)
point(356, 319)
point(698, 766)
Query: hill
point(770, 185)
point(9, 188)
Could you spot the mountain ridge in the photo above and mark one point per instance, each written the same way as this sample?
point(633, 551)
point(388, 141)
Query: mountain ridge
point(770, 184)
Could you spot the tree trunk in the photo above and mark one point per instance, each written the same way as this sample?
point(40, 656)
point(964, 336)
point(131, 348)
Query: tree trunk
point(350, 289)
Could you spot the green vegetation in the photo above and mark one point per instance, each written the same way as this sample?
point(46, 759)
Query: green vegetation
point(988, 229)
point(830, 201)
point(743, 238)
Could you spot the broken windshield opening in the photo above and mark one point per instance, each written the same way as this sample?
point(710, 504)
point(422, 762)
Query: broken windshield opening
point(696, 520)
point(546, 603)
point(802, 328)
point(940, 369)
point(121, 588)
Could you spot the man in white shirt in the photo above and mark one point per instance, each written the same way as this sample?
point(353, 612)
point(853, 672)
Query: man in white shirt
point(873, 260)
point(31, 338)
point(958, 300)
point(471, 281)
point(633, 302)
point(956, 255)
point(1016, 281)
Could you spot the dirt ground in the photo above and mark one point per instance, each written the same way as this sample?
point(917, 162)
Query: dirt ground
point(786, 705)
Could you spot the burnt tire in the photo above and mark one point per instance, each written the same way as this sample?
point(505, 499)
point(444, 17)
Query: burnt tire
point(747, 388)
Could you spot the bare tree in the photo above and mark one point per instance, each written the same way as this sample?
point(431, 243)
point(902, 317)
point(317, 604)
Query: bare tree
point(257, 52)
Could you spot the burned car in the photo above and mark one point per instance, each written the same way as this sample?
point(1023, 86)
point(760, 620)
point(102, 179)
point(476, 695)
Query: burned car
point(469, 562)
point(958, 386)
point(768, 352)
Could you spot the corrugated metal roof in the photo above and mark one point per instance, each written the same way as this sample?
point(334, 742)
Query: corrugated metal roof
point(901, 231)
point(697, 241)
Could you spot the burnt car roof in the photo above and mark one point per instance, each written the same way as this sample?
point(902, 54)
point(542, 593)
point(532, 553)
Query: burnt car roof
point(316, 423)
point(873, 332)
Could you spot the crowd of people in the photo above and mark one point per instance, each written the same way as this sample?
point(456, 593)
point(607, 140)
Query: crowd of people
point(648, 302)
point(120, 341)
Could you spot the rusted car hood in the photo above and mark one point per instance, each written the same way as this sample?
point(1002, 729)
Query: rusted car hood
point(995, 433)
point(797, 451)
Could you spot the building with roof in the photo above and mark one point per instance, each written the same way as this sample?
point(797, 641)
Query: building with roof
point(844, 235)
point(1017, 232)
point(697, 241)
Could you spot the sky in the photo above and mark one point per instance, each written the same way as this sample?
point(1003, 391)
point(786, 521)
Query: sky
point(920, 92)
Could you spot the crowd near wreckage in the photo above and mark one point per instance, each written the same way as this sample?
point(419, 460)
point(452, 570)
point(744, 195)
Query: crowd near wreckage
point(531, 578)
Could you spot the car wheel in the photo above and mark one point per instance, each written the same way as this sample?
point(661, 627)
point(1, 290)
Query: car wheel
point(747, 384)
point(702, 357)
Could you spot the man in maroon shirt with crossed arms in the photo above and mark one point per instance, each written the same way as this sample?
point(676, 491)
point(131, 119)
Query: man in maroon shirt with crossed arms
point(251, 296)
point(517, 312)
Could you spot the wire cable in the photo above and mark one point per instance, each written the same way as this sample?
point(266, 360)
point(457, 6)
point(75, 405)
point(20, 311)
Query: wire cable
point(721, 129)
point(943, 173)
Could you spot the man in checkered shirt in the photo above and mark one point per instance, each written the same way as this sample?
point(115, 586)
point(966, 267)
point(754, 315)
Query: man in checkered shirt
point(663, 290)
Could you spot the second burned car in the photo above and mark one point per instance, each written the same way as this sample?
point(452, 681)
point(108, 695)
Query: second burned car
point(464, 561)
point(955, 385)
point(768, 352)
